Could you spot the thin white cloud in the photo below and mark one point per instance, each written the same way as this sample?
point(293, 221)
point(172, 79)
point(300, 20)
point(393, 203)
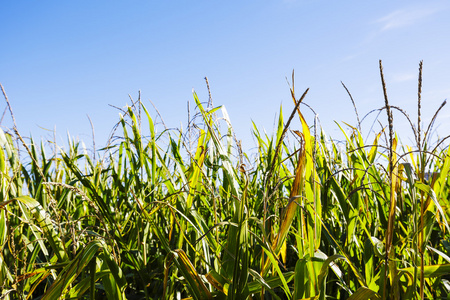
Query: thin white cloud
point(349, 57)
point(405, 17)
point(402, 77)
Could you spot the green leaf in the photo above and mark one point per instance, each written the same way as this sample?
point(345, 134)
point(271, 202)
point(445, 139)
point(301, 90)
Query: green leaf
point(428, 190)
point(364, 293)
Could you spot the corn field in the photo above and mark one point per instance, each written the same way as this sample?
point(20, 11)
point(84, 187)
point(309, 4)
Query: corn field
point(186, 214)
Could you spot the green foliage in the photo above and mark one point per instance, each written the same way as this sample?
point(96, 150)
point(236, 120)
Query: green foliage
point(189, 214)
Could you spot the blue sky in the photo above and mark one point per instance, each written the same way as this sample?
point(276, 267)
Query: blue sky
point(63, 60)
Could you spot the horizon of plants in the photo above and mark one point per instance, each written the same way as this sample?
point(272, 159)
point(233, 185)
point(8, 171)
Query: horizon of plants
point(187, 214)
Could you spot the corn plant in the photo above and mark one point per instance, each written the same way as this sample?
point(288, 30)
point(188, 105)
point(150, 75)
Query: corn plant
point(187, 214)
